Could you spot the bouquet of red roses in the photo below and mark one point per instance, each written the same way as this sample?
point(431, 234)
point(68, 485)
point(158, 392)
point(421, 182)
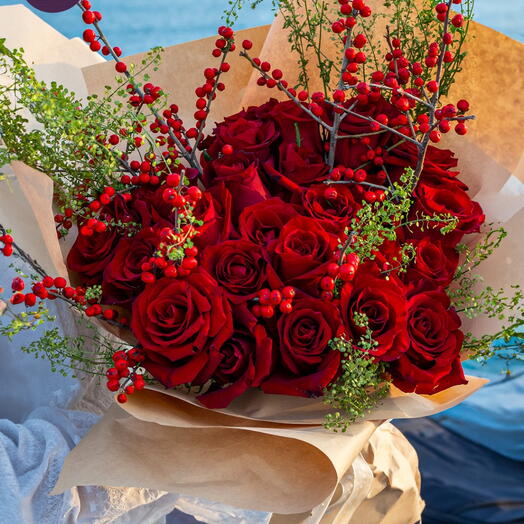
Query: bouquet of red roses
point(309, 246)
point(300, 240)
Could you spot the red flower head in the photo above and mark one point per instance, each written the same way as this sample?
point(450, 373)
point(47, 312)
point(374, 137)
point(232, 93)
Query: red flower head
point(121, 280)
point(307, 363)
point(432, 361)
point(243, 361)
point(178, 322)
point(384, 303)
point(239, 267)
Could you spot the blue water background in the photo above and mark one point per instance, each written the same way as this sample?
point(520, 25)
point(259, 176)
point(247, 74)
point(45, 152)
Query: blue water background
point(138, 25)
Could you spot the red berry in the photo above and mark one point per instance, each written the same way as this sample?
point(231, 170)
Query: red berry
point(275, 297)
point(121, 67)
point(359, 41)
point(113, 385)
point(277, 74)
point(463, 106)
point(435, 136)
point(333, 269)
point(109, 314)
point(30, 299)
point(370, 197)
point(122, 398)
point(189, 263)
point(461, 128)
point(288, 292)
point(303, 96)
point(147, 277)
point(247, 44)
point(326, 296)
point(89, 35)
point(432, 86)
point(112, 373)
point(130, 389)
point(267, 311)
point(114, 140)
point(48, 281)
point(347, 272)
point(194, 193)
point(286, 306)
point(88, 17)
point(337, 27)
point(18, 284)
point(227, 149)
point(444, 126)
point(458, 20)
point(171, 272)
point(17, 298)
point(60, 282)
point(327, 284)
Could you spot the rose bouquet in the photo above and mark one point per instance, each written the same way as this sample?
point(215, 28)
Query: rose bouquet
point(311, 245)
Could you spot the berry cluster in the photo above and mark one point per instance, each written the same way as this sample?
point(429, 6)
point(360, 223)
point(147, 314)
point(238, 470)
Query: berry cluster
point(269, 299)
point(7, 240)
point(126, 375)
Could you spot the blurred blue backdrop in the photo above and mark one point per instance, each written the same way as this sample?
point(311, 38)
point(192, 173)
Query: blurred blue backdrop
point(138, 25)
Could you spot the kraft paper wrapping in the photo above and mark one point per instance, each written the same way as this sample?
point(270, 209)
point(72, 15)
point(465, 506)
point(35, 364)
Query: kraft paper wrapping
point(273, 455)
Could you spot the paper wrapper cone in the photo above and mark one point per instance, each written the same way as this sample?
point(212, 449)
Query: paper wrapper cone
point(270, 452)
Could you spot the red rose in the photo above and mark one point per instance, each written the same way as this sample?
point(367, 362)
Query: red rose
point(262, 222)
point(333, 211)
point(302, 246)
point(89, 255)
point(384, 303)
point(437, 162)
point(146, 207)
point(177, 322)
point(242, 362)
point(251, 132)
point(299, 167)
point(238, 266)
point(434, 261)
point(432, 362)
point(214, 211)
point(241, 180)
point(307, 363)
point(121, 281)
point(297, 127)
point(149, 204)
point(448, 196)
point(352, 153)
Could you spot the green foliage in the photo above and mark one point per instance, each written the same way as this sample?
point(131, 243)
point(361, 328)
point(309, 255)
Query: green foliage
point(68, 142)
point(417, 28)
point(22, 321)
point(72, 355)
point(380, 221)
point(361, 386)
point(472, 298)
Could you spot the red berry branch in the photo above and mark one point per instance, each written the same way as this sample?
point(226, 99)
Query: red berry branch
point(94, 17)
point(428, 126)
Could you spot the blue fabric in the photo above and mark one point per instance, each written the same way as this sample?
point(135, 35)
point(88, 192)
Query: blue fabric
point(463, 482)
point(471, 457)
point(494, 416)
